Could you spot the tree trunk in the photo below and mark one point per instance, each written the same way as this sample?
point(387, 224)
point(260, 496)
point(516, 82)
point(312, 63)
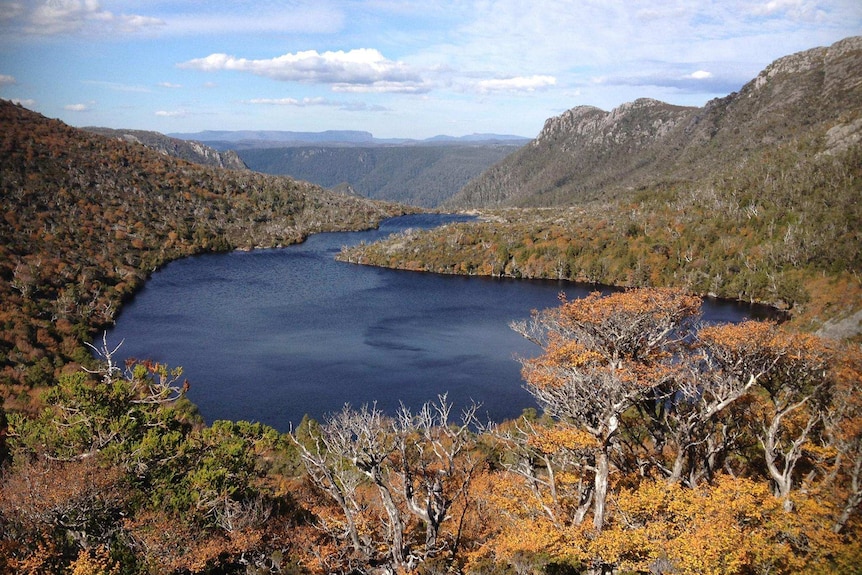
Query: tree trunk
point(601, 489)
point(395, 525)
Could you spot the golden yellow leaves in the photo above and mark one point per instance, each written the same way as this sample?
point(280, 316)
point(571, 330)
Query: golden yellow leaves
point(94, 562)
point(562, 437)
point(657, 302)
point(571, 353)
point(732, 526)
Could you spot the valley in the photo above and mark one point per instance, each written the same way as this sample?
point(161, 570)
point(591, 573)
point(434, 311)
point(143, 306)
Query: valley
point(654, 443)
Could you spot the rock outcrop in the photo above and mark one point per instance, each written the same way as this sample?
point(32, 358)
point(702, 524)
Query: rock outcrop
point(587, 154)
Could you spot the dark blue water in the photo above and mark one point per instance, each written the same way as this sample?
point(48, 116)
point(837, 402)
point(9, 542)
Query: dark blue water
point(271, 335)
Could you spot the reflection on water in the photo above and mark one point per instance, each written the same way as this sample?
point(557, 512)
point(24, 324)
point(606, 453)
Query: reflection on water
point(273, 334)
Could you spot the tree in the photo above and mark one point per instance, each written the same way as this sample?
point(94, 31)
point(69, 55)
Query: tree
point(436, 465)
point(842, 425)
point(601, 356)
point(790, 370)
point(419, 465)
point(554, 460)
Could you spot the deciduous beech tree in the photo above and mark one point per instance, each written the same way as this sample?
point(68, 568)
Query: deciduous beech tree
point(732, 526)
point(327, 454)
point(555, 462)
point(419, 464)
point(602, 355)
point(437, 463)
point(790, 371)
point(841, 456)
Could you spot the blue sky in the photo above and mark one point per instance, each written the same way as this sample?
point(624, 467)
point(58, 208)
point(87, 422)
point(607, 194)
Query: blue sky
point(391, 67)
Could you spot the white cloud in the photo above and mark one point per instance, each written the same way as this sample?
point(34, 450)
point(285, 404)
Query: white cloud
point(26, 102)
point(517, 84)
point(76, 107)
point(292, 102)
point(169, 85)
point(700, 75)
point(55, 17)
point(9, 9)
point(6, 80)
point(171, 113)
point(360, 70)
point(805, 10)
point(308, 102)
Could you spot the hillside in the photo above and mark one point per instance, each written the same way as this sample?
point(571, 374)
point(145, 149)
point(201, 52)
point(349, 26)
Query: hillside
point(87, 218)
point(420, 175)
point(191, 151)
point(587, 154)
point(754, 197)
point(663, 446)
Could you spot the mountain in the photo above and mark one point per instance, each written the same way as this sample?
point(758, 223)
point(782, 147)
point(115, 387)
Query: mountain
point(191, 151)
point(588, 154)
point(87, 218)
point(753, 197)
point(264, 138)
point(423, 175)
point(247, 139)
point(416, 172)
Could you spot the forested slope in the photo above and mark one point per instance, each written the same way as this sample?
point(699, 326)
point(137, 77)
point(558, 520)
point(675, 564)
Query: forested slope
point(420, 175)
point(87, 218)
point(754, 197)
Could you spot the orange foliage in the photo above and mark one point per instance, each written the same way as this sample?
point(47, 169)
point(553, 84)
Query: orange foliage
point(169, 544)
point(554, 439)
point(732, 526)
point(655, 302)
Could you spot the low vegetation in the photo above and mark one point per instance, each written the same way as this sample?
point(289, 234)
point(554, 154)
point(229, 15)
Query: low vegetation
point(783, 230)
point(734, 449)
point(86, 219)
point(662, 446)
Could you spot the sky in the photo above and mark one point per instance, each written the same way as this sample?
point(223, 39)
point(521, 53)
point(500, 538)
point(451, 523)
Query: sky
point(395, 68)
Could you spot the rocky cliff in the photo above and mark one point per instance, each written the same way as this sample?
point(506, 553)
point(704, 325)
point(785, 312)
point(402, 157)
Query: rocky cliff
point(587, 153)
point(191, 151)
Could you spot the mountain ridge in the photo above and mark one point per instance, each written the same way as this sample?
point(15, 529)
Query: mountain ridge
point(189, 150)
point(588, 154)
point(244, 139)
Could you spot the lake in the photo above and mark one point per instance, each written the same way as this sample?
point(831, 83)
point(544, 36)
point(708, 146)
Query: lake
point(271, 335)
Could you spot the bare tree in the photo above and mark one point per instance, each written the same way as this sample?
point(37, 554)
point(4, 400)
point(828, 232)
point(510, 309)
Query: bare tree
point(420, 465)
point(436, 465)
